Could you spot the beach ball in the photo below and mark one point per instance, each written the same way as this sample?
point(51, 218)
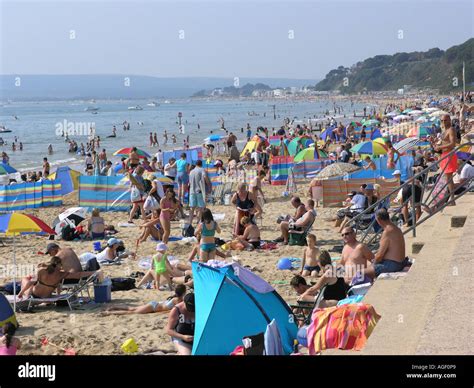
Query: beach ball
point(302, 336)
point(284, 263)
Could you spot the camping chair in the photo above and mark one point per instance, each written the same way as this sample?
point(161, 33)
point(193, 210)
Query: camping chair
point(305, 309)
point(367, 221)
point(69, 298)
point(216, 197)
point(227, 188)
point(72, 286)
point(298, 237)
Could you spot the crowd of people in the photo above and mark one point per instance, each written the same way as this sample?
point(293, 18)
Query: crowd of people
point(156, 203)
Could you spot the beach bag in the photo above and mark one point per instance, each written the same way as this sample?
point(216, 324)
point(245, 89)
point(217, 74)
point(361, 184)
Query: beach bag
point(135, 194)
point(151, 203)
point(122, 284)
point(188, 230)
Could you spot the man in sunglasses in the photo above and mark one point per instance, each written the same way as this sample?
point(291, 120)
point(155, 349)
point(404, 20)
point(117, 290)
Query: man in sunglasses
point(356, 257)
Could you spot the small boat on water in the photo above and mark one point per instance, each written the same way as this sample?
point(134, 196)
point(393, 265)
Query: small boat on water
point(167, 102)
point(153, 104)
point(4, 130)
point(91, 109)
point(137, 107)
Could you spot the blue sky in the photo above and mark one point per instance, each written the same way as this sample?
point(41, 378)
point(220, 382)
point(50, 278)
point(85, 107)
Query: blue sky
point(221, 38)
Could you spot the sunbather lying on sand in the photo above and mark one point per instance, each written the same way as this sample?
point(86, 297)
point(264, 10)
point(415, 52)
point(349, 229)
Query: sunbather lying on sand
point(150, 307)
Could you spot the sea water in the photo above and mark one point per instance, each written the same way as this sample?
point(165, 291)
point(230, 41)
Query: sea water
point(39, 123)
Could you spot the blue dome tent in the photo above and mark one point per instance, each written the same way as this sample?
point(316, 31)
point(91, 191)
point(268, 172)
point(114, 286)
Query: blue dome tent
point(232, 303)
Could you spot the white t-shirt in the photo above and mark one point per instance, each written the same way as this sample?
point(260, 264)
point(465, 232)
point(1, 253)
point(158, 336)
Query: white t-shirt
point(343, 155)
point(467, 172)
point(159, 157)
point(358, 202)
point(255, 157)
point(170, 171)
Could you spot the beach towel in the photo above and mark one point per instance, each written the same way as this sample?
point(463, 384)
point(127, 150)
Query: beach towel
point(344, 327)
point(126, 225)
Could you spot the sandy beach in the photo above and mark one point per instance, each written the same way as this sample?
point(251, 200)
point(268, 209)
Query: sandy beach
point(90, 333)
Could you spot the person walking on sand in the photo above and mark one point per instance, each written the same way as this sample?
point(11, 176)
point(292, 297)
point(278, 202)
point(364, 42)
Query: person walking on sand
point(168, 206)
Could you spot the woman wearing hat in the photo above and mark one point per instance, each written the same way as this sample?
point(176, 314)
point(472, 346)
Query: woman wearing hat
point(109, 254)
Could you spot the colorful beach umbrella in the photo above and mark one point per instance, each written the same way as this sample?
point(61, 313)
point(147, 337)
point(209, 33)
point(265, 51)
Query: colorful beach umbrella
point(213, 138)
point(309, 154)
point(419, 131)
point(159, 177)
point(298, 144)
point(406, 144)
point(15, 224)
point(126, 152)
point(75, 214)
point(325, 133)
point(371, 122)
point(369, 148)
point(6, 169)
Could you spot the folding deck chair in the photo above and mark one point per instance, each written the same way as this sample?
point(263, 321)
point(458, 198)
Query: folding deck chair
point(298, 237)
point(70, 298)
point(306, 308)
point(217, 195)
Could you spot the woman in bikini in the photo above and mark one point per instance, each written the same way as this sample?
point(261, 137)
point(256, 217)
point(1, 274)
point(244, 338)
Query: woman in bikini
point(49, 278)
point(207, 229)
point(151, 227)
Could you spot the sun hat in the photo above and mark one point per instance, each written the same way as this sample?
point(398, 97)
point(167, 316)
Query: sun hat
point(161, 247)
point(113, 241)
point(397, 172)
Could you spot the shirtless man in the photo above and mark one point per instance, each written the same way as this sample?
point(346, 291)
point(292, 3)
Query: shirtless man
point(356, 256)
point(391, 254)
point(70, 261)
point(133, 158)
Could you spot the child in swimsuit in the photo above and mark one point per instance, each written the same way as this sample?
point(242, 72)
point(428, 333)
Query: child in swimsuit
point(161, 266)
point(310, 265)
point(8, 343)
